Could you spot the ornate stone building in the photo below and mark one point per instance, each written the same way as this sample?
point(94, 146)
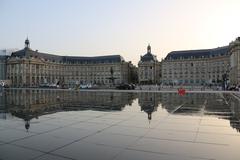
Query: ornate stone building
point(28, 68)
point(235, 62)
point(196, 67)
point(149, 71)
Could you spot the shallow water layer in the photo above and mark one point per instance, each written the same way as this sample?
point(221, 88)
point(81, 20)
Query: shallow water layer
point(54, 124)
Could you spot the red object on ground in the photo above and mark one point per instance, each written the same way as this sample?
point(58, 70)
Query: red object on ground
point(181, 92)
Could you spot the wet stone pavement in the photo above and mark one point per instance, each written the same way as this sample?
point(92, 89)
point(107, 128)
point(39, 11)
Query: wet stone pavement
point(62, 125)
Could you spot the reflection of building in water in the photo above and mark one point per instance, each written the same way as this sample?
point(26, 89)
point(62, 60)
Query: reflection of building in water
point(217, 105)
point(29, 104)
point(149, 102)
point(226, 107)
point(235, 117)
point(3, 113)
point(235, 62)
point(2, 106)
point(190, 103)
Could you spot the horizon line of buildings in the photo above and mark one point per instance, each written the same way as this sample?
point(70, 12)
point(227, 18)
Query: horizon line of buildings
point(29, 68)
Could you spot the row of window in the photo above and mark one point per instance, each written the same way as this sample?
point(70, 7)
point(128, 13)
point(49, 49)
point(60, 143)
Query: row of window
point(56, 67)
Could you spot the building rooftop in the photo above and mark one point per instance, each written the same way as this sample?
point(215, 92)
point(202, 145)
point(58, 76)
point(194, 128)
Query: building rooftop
point(28, 52)
point(97, 59)
point(203, 53)
point(148, 56)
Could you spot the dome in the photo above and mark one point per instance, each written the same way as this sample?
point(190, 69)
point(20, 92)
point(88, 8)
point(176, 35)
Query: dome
point(148, 56)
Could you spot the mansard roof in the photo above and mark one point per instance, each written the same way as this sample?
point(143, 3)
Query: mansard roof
point(98, 59)
point(148, 57)
point(203, 53)
point(27, 52)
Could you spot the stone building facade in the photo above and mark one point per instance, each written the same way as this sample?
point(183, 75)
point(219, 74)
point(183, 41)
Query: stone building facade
point(196, 67)
point(149, 68)
point(235, 62)
point(28, 68)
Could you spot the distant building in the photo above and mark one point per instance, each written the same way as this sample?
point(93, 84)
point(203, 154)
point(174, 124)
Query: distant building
point(4, 54)
point(29, 68)
point(7, 52)
point(235, 62)
point(196, 67)
point(149, 71)
point(3, 67)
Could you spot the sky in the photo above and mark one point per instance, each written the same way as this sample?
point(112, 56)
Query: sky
point(125, 27)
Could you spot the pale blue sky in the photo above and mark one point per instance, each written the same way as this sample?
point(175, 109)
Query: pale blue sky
point(103, 27)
